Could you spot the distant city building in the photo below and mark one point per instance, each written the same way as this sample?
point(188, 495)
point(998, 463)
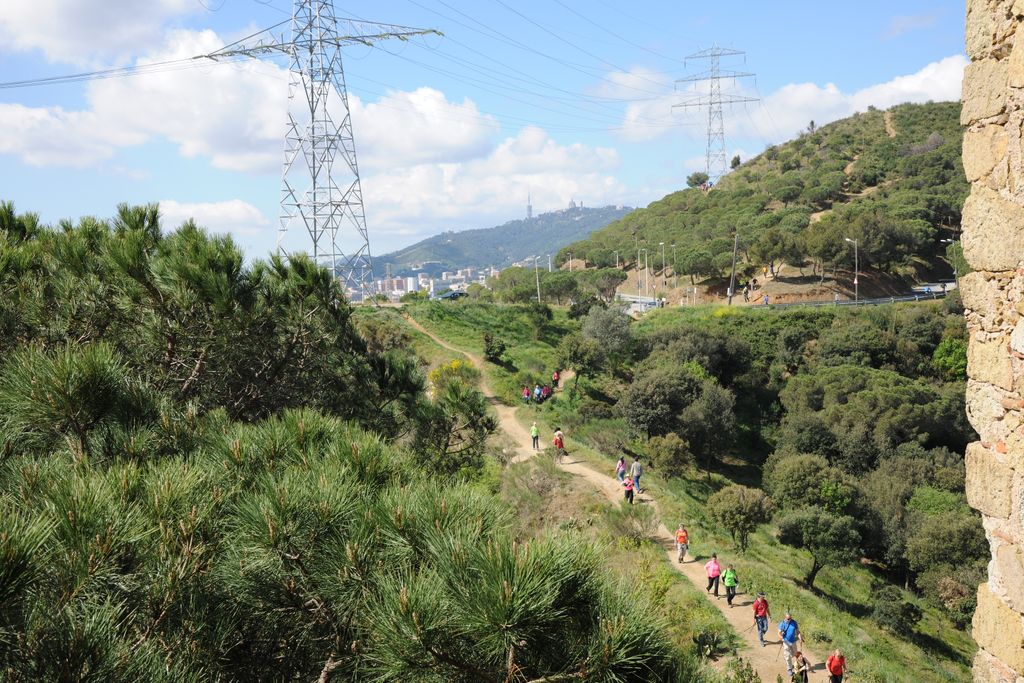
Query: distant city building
point(529, 206)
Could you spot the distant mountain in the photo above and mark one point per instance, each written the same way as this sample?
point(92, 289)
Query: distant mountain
point(502, 245)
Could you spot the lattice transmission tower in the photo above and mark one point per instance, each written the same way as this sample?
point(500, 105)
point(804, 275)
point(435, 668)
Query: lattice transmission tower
point(714, 100)
point(321, 191)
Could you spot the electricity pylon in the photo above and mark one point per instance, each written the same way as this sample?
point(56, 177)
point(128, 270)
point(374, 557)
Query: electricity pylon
point(320, 185)
point(714, 163)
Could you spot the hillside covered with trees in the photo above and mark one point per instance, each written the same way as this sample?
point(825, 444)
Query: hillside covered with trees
point(891, 180)
point(505, 244)
point(214, 471)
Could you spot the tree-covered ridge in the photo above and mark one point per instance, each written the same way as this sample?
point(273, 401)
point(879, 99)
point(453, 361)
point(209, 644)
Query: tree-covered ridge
point(898, 195)
point(505, 244)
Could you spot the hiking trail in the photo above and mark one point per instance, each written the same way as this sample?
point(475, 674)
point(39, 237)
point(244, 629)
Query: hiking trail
point(767, 661)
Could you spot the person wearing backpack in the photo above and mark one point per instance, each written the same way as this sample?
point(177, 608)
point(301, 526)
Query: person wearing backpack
point(789, 632)
point(730, 581)
point(714, 571)
point(682, 542)
point(801, 668)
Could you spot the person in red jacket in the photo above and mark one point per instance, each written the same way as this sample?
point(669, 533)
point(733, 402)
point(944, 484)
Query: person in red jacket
point(836, 666)
point(762, 615)
point(554, 379)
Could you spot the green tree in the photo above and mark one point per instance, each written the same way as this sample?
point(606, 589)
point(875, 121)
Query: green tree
point(583, 356)
point(609, 327)
point(740, 510)
point(832, 540)
point(696, 179)
point(735, 162)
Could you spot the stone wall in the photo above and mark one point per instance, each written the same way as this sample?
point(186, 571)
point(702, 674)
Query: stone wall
point(993, 242)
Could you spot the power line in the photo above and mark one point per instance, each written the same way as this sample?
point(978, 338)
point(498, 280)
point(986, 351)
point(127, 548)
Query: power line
point(616, 35)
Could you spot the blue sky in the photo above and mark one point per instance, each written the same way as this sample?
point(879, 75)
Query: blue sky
point(565, 99)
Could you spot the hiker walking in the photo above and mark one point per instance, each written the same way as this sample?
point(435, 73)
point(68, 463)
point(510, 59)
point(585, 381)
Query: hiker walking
point(801, 668)
point(636, 470)
point(535, 435)
point(559, 444)
point(526, 394)
point(714, 571)
point(554, 379)
point(836, 667)
point(789, 632)
point(730, 581)
point(627, 484)
point(765, 299)
point(620, 468)
point(536, 393)
point(682, 542)
point(762, 615)
point(746, 293)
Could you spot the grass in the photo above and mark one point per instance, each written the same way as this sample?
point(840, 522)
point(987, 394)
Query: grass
point(836, 614)
point(530, 357)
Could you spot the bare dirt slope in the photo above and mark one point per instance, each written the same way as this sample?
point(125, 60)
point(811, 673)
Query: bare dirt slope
point(767, 661)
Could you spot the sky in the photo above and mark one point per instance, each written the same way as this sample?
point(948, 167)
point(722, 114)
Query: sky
point(559, 99)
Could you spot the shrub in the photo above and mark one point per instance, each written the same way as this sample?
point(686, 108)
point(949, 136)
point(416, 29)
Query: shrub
point(494, 348)
point(739, 510)
point(670, 455)
point(892, 613)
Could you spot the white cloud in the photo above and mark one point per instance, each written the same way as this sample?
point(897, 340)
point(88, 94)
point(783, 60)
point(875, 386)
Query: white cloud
point(233, 114)
point(790, 108)
point(84, 31)
point(419, 127)
point(234, 216)
point(426, 198)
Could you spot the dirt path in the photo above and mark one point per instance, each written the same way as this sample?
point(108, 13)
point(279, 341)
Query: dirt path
point(890, 129)
point(767, 661)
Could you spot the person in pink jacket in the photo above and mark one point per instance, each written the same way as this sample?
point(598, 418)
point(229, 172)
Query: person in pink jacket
point(714, 570)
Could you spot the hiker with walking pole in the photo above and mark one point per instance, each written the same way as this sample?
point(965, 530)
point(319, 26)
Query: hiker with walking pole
point(801, 668)
point(789, 632)
point(731, 581)
point(762, 615)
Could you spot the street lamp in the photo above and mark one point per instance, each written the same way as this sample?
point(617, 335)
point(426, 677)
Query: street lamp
point(570, 261)
point(647, 272)
point(956, 261)
point(675, 273)
point(549, 263)
point(536, 274)
point(662, 245)
point(856, 269)
point(616, 258)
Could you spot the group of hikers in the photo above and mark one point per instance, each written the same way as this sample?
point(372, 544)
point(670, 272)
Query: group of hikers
point(539, 394)
point(798, 666)
point(558, 441)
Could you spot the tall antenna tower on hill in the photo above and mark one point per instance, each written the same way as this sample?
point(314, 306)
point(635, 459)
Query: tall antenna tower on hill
point(715, 159)
point(321, 190)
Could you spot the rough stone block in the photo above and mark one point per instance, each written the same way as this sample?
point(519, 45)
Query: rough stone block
point(999, 630)
point(985, 410)
point(1008, 573)
point(984, 90)
point(989, 361)
point(988, 669)
point(984, 148)
point(989, 482)
point(979, 293)
point(993, 231)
